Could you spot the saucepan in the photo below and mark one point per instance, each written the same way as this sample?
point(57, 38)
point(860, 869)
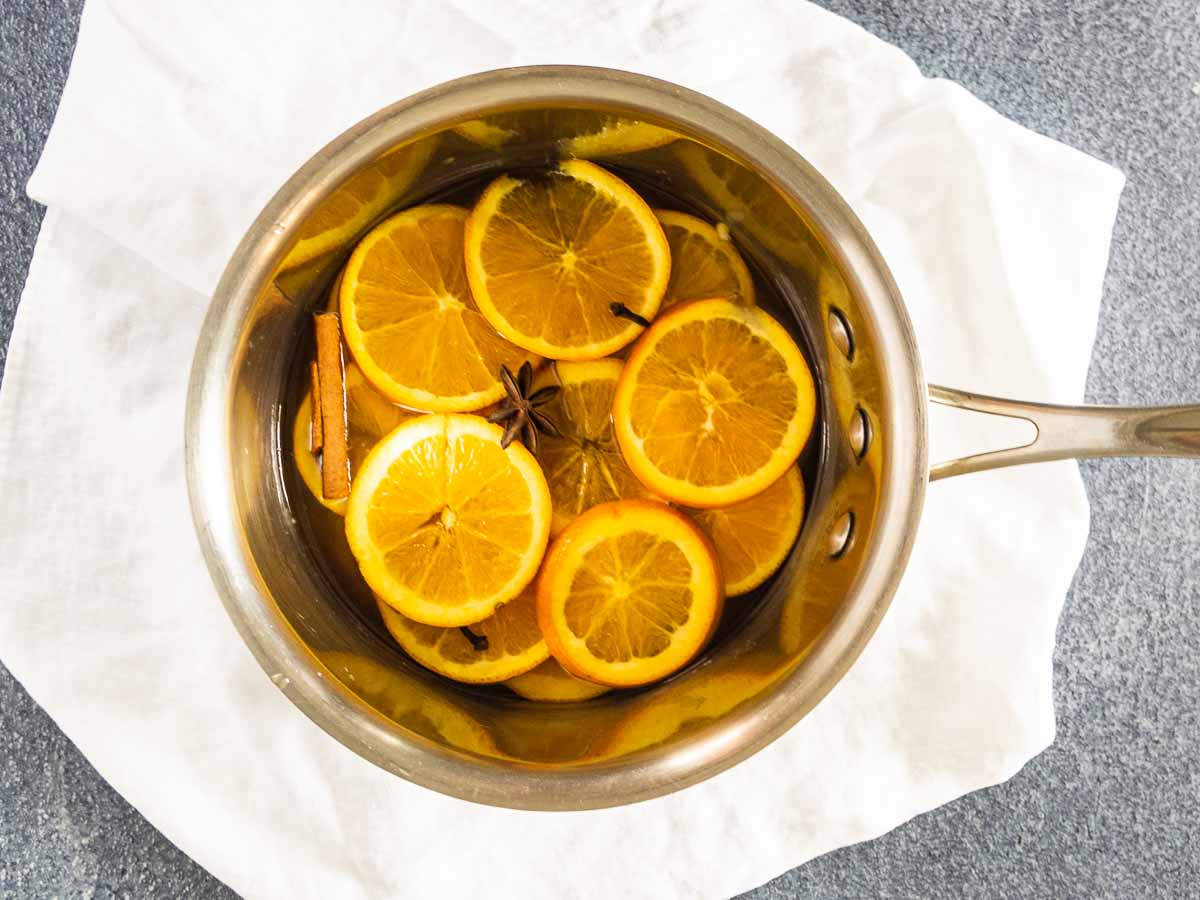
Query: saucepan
point(306, 619)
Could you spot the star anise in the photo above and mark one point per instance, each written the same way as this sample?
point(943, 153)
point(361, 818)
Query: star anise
point(519, 411)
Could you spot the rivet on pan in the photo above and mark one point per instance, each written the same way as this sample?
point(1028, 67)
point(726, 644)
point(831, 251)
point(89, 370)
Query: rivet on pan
point(860, 433)
point(839, 331)
point(842, 536)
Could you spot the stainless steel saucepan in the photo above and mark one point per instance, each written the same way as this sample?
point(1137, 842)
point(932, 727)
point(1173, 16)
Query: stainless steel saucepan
point(316, 634)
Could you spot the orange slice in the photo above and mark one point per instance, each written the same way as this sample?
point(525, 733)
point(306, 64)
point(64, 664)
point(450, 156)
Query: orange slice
point(369, 416)
point(502, 646)
point(707, 694)
point(752, 538)
point(583, 465)
point(751, 205)
point(630, 592)
point(617, 136)
point(393, 694)
point(551, 683)
point(409, 318)
point(355, 204)
point(704, 262)
point(547, 256)
point(581, 133)
point(714, 404)
point(445, 524)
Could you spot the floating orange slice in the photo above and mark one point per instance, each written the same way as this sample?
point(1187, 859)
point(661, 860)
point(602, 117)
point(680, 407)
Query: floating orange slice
point(751, 205)
point(752, 538)
point(350, 209)
point(704, 262)
point(714, 404)
point(502, 646)
point(410, 320)
point(369, 417)
point(583, 465)
point(548, 256)
point(582, 133)
point(445, 523)
point(551, 683)
point(629, 593)
point(428, 713)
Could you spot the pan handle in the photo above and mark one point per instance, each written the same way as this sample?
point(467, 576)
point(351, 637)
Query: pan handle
point(1075, 432)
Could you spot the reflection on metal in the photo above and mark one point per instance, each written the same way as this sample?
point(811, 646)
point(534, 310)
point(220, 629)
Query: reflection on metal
point(840, 332)
point(859, 433)
point(841, 535)
point(1075, 432)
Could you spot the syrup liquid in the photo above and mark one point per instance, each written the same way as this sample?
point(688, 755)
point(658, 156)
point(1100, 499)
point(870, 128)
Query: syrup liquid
point(457, 171)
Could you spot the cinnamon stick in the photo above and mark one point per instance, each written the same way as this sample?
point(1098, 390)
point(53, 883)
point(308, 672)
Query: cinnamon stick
point(335, 461)
point(316, 431)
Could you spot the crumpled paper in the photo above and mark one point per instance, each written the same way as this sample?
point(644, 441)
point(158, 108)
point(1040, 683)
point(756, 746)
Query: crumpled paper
point(178, 123)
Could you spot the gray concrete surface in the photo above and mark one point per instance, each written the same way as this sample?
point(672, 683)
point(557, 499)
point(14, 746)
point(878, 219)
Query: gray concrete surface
point(1113, 808)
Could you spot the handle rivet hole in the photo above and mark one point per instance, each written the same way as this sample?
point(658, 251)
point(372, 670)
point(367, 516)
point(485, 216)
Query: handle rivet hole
point(840, 333)
point(842, 536)
point(860, 433)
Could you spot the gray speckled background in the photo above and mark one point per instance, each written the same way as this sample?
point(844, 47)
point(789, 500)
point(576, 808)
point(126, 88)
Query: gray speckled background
point(1113, 807)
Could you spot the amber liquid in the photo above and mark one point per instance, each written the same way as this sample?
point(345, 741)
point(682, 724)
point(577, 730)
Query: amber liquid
point(325, 530)
point(763, 636)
